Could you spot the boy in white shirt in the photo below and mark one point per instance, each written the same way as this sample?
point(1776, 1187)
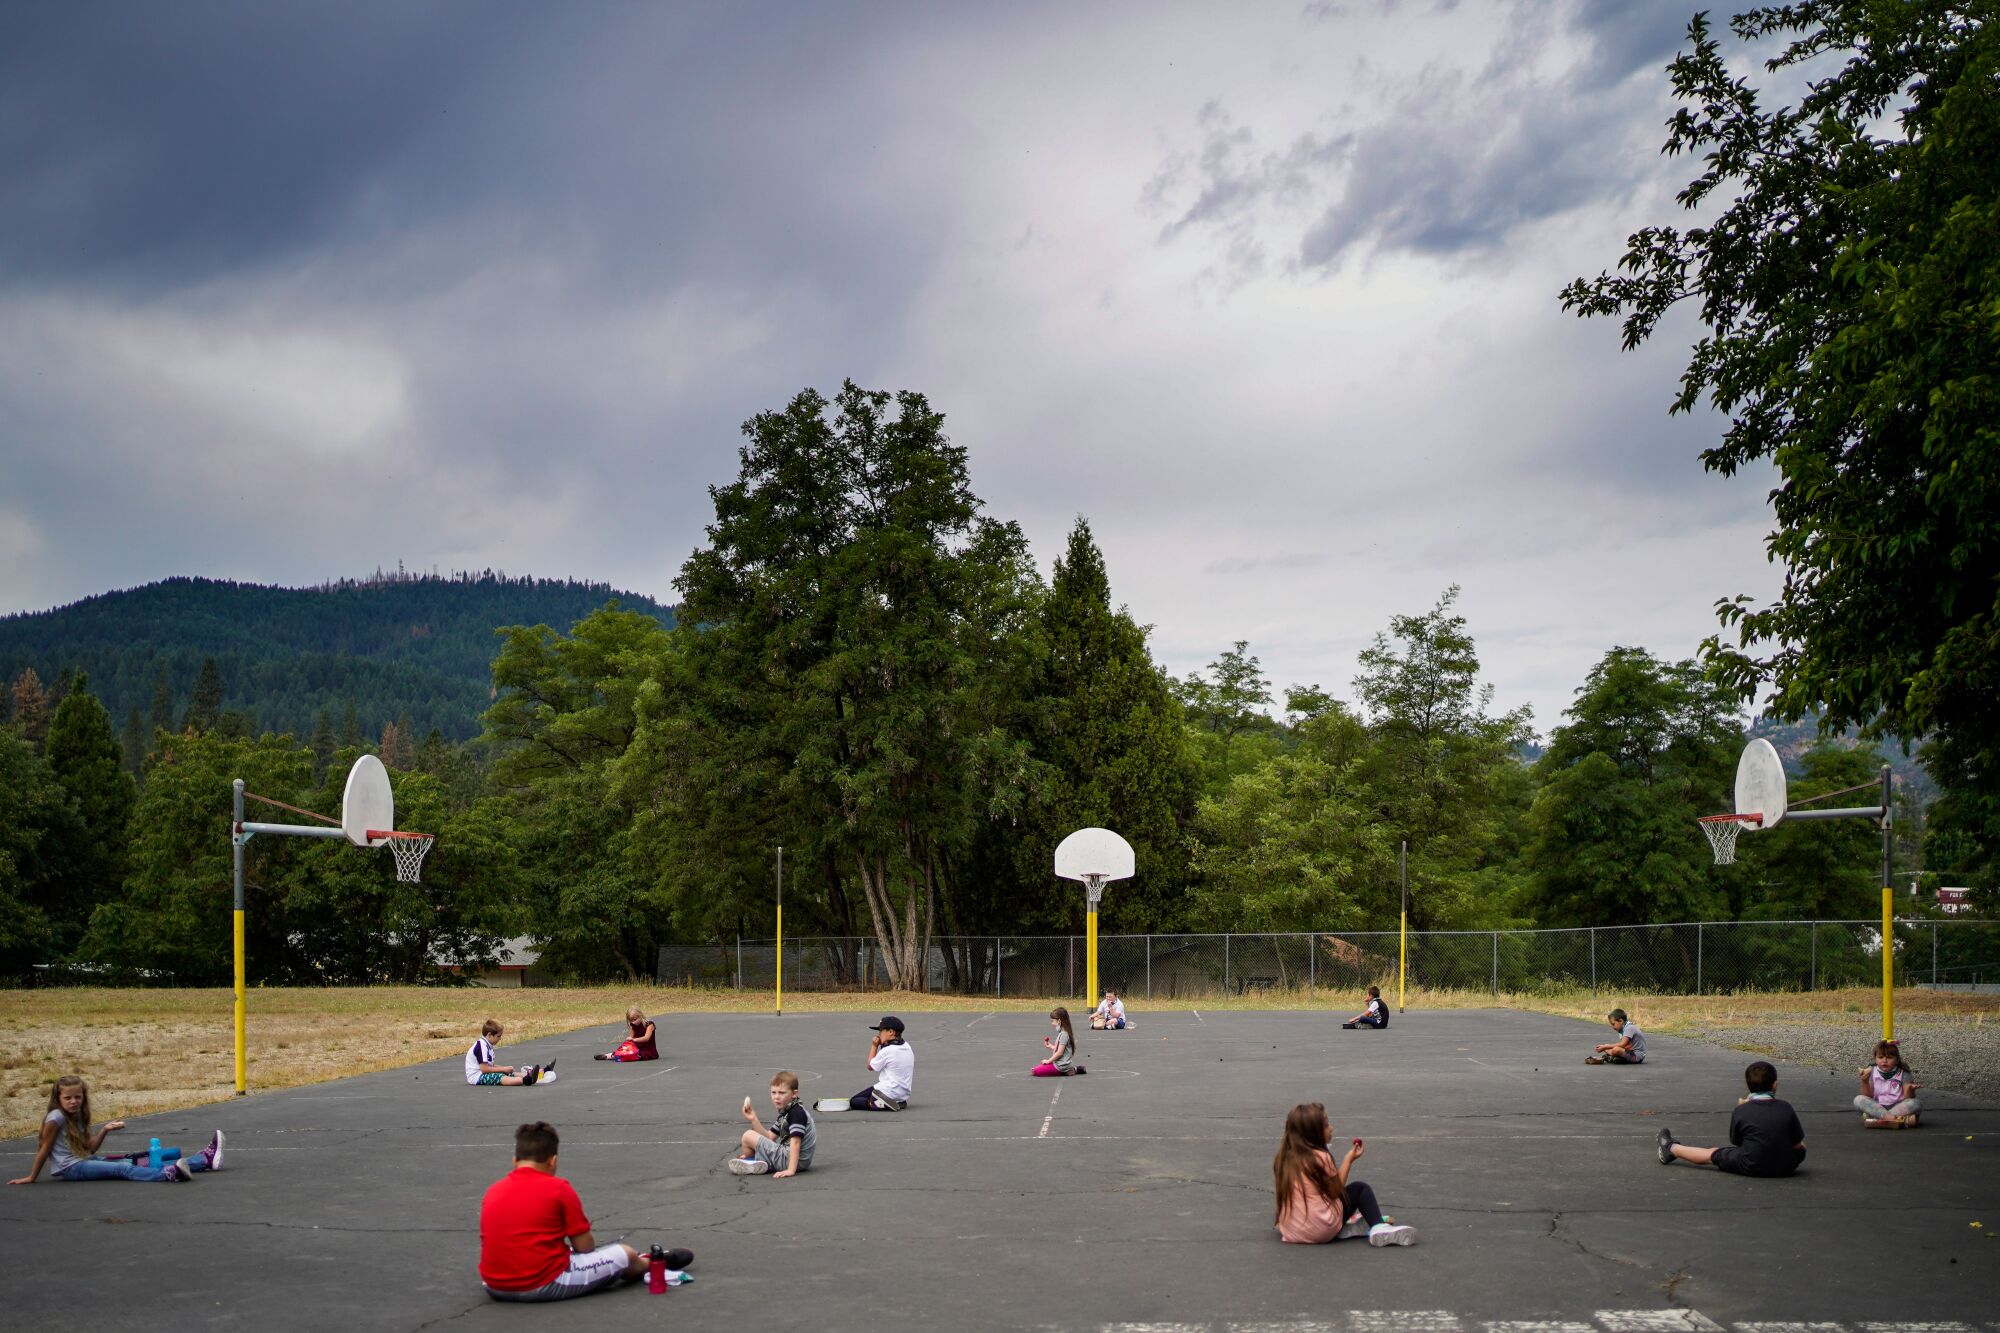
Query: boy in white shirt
point(1109, 1015)
point(894, 1065)
point(482, 1070)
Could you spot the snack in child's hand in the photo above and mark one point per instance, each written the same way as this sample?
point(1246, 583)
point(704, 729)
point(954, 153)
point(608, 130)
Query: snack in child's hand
point(746, 1106)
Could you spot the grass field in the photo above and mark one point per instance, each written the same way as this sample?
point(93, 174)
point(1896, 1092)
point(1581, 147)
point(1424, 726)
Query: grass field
point(156, 1050)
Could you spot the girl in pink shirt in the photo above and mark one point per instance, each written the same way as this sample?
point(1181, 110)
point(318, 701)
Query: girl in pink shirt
point(1888, 1097)
point(1316, 1200)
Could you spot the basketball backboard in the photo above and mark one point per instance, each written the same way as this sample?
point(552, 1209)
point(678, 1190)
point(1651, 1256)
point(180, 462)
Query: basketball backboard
point(368, 807)
point(1760, 783)
point(1094, 853)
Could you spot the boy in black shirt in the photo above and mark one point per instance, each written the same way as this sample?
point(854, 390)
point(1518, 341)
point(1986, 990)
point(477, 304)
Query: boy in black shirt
point(1765, 1136)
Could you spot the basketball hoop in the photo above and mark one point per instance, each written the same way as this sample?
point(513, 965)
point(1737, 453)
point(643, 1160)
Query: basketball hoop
point(408, 849)
point(1093, 890)
point(1722, 831)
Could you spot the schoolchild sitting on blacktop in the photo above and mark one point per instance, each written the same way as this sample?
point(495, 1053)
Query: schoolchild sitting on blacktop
point(1629, 1049)
point(895, 1067)
point(1765, 1136)
point(785, 1147)
point(1374, 1014)
point(1109, 1016)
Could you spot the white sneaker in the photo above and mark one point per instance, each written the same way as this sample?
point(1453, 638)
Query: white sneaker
point(214, 1152)
point(748, 1166)
point(1357, 1225)
point(1391, 1234)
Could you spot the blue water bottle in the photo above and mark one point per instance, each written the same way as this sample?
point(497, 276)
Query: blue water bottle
point(153, 1154)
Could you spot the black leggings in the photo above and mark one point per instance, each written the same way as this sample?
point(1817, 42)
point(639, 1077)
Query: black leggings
point(1361, 1199)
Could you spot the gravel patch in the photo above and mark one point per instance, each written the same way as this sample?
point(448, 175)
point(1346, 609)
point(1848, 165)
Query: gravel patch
point(1948, 1054)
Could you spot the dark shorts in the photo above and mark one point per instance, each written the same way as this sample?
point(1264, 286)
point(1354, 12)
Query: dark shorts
point(1739, 1163)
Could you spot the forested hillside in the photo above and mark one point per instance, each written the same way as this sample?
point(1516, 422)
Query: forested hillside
point(365, 652)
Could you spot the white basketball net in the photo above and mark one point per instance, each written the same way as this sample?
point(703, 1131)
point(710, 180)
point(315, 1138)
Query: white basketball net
point(1722, 831)
point(1093, 890)
point(409, 852)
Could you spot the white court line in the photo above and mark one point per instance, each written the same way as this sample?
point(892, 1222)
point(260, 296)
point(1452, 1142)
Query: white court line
point(980, 1019)
point(626, 1085)
point(1052, 1112)
point(1197, 1016)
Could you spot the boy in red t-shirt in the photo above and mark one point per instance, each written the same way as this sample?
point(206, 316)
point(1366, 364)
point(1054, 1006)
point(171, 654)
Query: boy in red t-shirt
point(534, 1241)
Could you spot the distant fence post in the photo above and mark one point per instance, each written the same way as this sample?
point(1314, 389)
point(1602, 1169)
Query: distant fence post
point(1312, 962)
point(739, 962)
point(1697, 957)
point(1149, 967)
point(1496, 964)
point(1812, 982)
point(997, 965)
point(1593, 960)
point(1069, 972)
point(1934, 926)
point(1225, 964)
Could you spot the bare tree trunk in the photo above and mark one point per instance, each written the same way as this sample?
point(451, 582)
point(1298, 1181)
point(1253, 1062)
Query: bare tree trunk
point(882, 915)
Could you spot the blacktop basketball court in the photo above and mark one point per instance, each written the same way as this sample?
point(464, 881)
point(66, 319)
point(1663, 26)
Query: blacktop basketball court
point(1135, 1197)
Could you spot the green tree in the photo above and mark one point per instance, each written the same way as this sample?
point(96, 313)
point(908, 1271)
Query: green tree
point(854, 600)
point(163, 700)
point(1846, 283)
point(323, 743)
point(1442, 772)
point(205, 704)
point(133, 742)
point(41, 840)
point(88, 760)
point(31, 706)
point(1650, 746)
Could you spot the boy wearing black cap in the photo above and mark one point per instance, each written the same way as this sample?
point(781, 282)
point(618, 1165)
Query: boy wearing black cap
point(894, 1065)
point(1765, 1136)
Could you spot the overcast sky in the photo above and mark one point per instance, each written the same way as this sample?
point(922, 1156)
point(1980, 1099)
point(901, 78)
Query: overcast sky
point(1266, 292)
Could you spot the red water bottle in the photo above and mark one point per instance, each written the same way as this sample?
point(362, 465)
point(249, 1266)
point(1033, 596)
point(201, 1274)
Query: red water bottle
point(656, 1271)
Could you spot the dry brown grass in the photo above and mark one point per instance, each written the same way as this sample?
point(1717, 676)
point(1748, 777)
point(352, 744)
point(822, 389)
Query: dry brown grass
point(157, 1050)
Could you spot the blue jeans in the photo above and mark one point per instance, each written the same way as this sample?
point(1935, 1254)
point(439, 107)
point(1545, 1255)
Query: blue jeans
point(97, 1168)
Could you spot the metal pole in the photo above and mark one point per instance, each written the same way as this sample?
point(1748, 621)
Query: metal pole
point(1225, 964)
point(781, 933)
point(1697, 957)
point(1090, 957)
point(739, 962)
point(1813, 984)
point(236, 840)
point(998, 982)
point(1149, 967)
point(1888, 914)
point(1312, 962)
point(1933, 953)
point(1593, 960)
point(1403, 930)
point(1496, 964)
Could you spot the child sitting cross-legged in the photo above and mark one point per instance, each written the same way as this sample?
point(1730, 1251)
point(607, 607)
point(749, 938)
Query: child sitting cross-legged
point(481, 1071)
point(535, 1244)
point(1888, 1098)
point(785, 1147)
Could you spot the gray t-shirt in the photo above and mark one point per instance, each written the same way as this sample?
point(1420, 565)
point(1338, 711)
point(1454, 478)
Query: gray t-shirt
point(1631, 1033)
point(1064, 1055)
point(62, 1158)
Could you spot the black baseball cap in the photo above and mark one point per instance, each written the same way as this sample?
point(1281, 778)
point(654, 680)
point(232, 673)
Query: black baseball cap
point(889, 1024)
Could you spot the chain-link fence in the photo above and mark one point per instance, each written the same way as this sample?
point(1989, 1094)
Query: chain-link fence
point(1702, 957)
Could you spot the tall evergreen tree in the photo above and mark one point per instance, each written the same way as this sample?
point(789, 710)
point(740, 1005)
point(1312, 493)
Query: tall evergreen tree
point(133, 741)
point(162, 716)
point(205, 704)
point(31, 707)
point(322, 741)
point(1112, 732)
point(88, 760)
point(350, 726)
point(41, 837)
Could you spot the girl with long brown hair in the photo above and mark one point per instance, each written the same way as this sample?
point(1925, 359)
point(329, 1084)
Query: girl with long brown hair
point(68, 1138)
point(1061, 1061)
point(1317, 1202)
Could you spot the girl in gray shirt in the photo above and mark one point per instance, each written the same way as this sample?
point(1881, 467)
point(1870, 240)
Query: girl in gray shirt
point(1061, 1061)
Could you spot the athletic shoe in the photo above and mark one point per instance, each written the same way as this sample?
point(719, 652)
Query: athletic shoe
point(678, 1259)
point(1388, 1234)
point(600, 1056)
point(1593, 1059)
point(178, 1170)
point(1081, 1070)
point(1666, 1147)
point(534, 1073)
point(748, 1166)
point(1357, 1225)
point(547, 1067)
point(213, 1152)
point(1910, 1120)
